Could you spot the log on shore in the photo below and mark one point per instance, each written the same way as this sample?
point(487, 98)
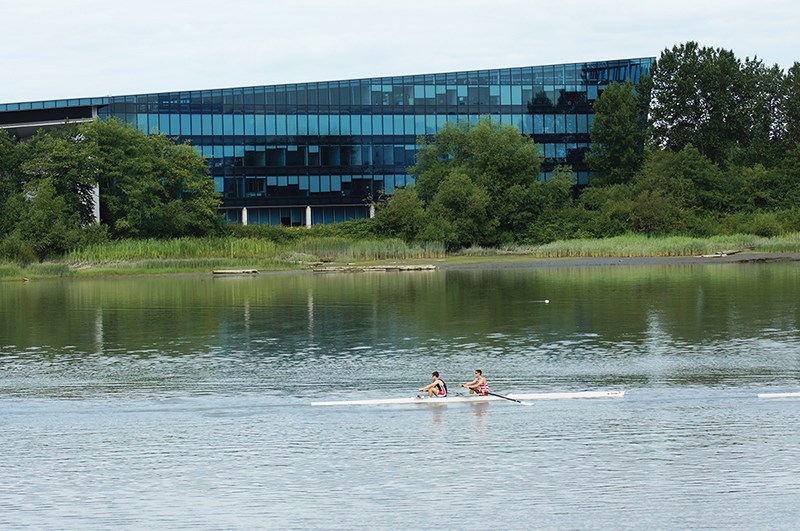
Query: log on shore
point(373, 269)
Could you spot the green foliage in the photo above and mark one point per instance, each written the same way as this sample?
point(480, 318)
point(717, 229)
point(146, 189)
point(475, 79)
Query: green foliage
point(617, 135)
point(356, 229)
point(791, 105)
point(64, 157)
point(403, 216)
point(275, 233)
point(732, 111)
point(477, 184)
point(760, 188)
point(686, 178)
point(150, 186)
point(609, 210)
point(45, 227)
point(459, 214)
point(696, 98)
point(653, 212)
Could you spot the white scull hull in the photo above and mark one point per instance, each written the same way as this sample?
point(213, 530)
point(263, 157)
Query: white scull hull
point(474, 398)
point(778, 395)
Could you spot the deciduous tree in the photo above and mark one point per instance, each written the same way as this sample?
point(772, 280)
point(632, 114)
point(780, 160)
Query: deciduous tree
point(618, 134)
point(498, 171)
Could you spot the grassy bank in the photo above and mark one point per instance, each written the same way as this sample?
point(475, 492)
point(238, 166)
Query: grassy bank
point(186, 255)
point(635, 245)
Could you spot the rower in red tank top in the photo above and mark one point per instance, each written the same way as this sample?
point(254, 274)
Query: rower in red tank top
point(478, 385)
point(438, 388)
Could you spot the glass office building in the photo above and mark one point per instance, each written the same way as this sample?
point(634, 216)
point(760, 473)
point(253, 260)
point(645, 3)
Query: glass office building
point(316, 152)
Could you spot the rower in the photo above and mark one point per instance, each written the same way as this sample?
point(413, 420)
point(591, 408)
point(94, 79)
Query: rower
point(438, 388)
point(478, 385)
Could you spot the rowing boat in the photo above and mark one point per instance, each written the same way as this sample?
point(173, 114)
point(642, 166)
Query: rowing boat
point(473, 398)
point(778, 395)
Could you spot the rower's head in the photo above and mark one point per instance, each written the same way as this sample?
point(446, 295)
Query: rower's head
point(478, 372)
point(435, 374)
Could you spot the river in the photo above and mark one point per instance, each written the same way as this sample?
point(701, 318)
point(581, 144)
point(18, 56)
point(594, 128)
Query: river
point(184, 402)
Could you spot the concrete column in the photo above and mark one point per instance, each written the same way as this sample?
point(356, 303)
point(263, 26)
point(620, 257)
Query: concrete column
point(96, 203)
point(308, 216)
point(244, 215)
point(371, 211)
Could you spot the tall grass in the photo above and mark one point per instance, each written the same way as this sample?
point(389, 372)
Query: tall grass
point(344, 249)
point(786, 243)
point(176, 248)
point(206, 254)
point(634, 245)
point(254, 249)
point(35, 270)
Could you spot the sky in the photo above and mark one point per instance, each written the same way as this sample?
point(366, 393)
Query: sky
point(58, 49)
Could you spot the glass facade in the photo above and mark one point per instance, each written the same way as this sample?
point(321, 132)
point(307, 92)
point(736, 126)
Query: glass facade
point(278, 150)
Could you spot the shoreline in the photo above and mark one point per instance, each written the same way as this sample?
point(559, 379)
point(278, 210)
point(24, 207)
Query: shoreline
point(454, 263)
point(749, 257)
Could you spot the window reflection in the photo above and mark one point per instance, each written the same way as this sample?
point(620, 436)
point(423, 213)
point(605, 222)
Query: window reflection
point(343, 141)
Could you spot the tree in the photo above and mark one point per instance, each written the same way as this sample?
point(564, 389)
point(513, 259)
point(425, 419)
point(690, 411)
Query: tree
point(687, 178)
point(791, 106)
point(150, 186)
point(499, 169)
point(63, 156)
point(10, 182)
point(697, 97)
point(617, 135)
point(46, 226)
point(459, 214)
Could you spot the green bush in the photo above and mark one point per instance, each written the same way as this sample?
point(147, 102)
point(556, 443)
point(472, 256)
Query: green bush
point(14, 249)
point(760, 223)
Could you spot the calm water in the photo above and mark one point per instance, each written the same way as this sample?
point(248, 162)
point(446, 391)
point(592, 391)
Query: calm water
point(183, 402)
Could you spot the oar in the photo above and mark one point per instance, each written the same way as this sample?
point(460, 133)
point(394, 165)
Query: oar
point(501, 396)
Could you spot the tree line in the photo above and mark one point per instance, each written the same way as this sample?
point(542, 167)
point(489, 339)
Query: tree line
point(708, 144)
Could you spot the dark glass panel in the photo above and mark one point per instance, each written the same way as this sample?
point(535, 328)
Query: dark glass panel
point(398, 92)
point(311, 92)
point(334, 95)
point(280, 96)
point(323, 95)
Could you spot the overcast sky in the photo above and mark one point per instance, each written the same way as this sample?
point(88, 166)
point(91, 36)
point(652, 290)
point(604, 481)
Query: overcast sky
point(53, 49)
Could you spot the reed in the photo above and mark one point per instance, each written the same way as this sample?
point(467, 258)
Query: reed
point(206, 254)
point(634, 245)
point(178, 248)
point(338, 249)
point(786, 243)
point(312, 248)
point(34, 270)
